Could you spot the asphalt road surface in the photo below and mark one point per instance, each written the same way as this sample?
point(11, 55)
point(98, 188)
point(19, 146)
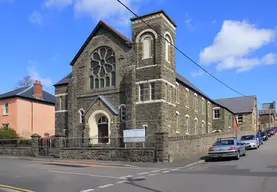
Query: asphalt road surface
point(257, 172)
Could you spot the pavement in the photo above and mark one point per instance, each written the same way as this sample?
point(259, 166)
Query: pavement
point(256, 172)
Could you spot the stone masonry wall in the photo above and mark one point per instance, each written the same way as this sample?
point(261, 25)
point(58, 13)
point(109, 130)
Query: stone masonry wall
point(18, 151)
point(185, 146)
point(110, 154)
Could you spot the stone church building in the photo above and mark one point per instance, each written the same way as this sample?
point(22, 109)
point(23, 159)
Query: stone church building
point(118, 83)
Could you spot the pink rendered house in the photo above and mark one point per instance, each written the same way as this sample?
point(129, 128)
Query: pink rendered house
point(28, 110)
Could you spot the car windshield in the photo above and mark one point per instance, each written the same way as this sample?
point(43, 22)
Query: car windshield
point(263, 133)
point(248, 137)
point(224, 142)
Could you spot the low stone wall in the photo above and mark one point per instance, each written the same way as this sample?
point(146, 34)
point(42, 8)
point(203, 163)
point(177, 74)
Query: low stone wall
point(18, 151)
point(185, 146)
point(110, 154)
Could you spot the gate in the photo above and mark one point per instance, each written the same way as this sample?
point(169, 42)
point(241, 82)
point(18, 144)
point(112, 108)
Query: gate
point(44, 146)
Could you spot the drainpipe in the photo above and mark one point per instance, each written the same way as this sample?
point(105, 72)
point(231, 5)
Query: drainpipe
point(32, 117)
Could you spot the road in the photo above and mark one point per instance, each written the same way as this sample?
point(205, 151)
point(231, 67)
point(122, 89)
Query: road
point(257, 172)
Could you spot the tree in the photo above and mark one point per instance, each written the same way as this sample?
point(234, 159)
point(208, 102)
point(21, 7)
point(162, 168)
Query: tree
point(8, 133)
point(26, 82)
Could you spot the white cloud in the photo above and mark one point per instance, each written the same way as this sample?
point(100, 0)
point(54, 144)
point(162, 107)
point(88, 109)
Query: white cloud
point(98, 9)
point(197, 73)
point(34, 74)
point(36, 17)
point(233, 45)
point(57, 3)
point(188, 23)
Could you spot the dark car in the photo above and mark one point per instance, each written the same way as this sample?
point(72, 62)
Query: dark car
point(264, 135)
point(268, 133)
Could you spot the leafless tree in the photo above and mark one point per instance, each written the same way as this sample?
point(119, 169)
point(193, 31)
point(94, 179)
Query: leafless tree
point(25, 82)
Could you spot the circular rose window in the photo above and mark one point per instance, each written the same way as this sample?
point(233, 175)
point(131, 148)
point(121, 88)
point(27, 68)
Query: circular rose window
point(102, 68)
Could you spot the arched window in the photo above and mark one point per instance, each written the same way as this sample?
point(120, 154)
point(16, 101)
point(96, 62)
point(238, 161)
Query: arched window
point(203, 127)
point(187, 124)
point(81, 115)
point(122, 113)
point(168, 43)
point(102, 68)
point(146, 47)
point(195, 126)
point(177, 122)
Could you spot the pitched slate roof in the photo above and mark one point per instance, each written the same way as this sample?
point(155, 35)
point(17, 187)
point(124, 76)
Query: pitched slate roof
point(106, 102)
point(28, 93)
point(64, 80)
point(103, 24)
point(238, 104)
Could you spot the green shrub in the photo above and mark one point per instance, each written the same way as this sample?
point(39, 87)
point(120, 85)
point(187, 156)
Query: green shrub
point(8, 133)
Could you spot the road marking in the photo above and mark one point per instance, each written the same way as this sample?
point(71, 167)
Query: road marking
point(125, 177)
point(143, 173)
point(82, 174)
point(105, 186)
point(88, 190)
point(176, 169)
point(14, 188)
point(155, 171)
point(153, 174)
point(166, 171)
point(119, 182)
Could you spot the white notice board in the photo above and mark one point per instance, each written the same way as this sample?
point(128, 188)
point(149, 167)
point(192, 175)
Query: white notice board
point(134, 135)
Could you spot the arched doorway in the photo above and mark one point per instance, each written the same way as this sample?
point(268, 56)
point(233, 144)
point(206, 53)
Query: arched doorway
point(103, 129)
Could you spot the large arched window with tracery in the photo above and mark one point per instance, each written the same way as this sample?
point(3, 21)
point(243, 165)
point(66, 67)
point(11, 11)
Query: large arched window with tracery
point(102, 68)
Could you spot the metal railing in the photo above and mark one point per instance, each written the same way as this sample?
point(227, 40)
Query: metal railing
point(109, 142)
point(15, 142)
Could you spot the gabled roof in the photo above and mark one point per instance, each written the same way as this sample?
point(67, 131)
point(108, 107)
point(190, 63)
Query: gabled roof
point(106, 26)
point(28, 93)
point(106, 102)
point(64, 80)
point(238, 104)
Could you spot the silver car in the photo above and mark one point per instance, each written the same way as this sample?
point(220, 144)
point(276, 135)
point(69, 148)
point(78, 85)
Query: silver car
point(251, 141)
point(227, 147)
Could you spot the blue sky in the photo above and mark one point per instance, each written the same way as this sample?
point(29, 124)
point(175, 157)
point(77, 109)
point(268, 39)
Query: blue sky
point(234, 40)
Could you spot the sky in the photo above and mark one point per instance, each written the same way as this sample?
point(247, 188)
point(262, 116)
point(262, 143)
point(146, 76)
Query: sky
point(233, 40)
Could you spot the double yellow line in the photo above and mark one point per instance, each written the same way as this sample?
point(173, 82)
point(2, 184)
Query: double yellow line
point(14, 189)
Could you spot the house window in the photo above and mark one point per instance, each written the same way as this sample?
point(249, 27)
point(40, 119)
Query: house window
point(203, 105)
point(146, 47)
point(5, 125)
point(216, 113)
point(6, 108)
point(152, 91)
point(240, 118)
point(177, 122)
point(61, 102)
point(203, 127)
point(102, 68)
point(187, 124)
point(177, 93)
point(81, 115)
point(141, 93)
point(187, 98)
point(122, 113)
point(169, 94)
point(208, 108)
point(168, 48)
point(195, 102)
point(195, 126)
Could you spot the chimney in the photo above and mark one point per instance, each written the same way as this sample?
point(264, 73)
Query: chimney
point(38, 90)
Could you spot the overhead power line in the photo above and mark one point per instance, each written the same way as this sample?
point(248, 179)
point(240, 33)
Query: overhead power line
point(180, 51)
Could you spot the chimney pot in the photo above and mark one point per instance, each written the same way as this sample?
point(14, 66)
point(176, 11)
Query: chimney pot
point(37, 89)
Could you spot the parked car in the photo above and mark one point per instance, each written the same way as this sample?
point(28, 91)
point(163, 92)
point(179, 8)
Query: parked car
point(260, 138)
point(271, 131)
point(227, 147)
point(264, 135)
point(268, 133)
point(251, 141)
